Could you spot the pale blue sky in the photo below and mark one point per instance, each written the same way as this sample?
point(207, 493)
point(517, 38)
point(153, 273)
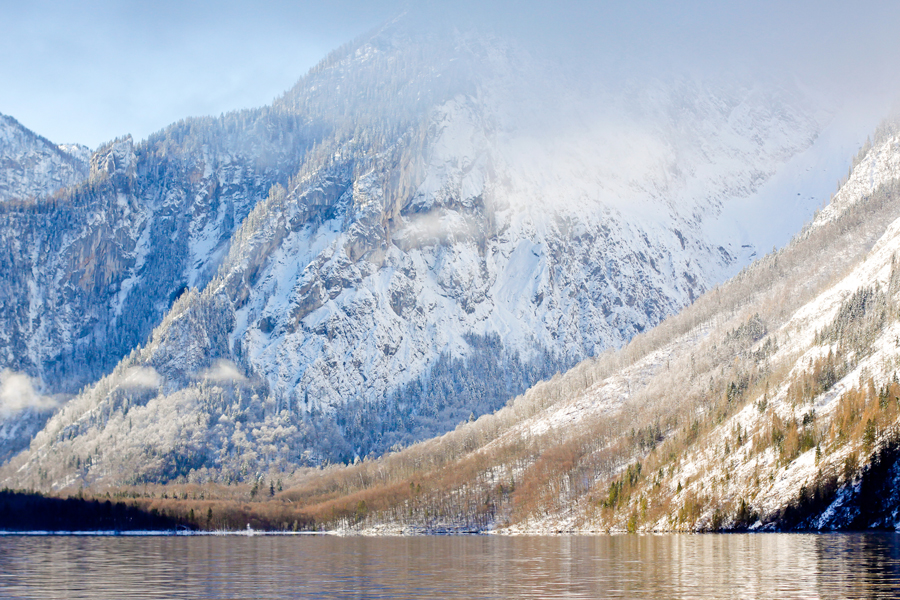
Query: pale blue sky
point(89, 71)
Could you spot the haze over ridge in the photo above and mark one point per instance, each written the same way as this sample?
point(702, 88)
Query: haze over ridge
point(88, 76)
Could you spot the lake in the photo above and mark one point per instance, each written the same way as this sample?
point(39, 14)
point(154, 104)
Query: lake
point(624, 566)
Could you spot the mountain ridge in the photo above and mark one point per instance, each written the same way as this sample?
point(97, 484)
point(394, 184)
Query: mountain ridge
point(32, 166)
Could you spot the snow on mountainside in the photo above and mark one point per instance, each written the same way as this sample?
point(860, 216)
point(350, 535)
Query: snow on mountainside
point(877, 166)
point(550, 245)
point(436, 242)
point(772, 403)
point(790, 456)
point(33, 167)
point(90, 273)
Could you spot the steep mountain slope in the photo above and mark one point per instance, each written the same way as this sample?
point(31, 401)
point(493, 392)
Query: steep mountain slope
point(90, 271)
point(33, 167)
point(407, 238)
point(771, 402)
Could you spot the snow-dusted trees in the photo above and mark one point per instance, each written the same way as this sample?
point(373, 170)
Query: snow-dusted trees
point(453, 390)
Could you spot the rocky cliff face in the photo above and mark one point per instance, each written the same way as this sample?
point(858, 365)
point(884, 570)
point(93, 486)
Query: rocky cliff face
point(403, 240)
point(89, 273)
point(33, 167)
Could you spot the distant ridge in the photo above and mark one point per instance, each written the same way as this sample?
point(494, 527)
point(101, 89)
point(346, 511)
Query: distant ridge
point(33, 167)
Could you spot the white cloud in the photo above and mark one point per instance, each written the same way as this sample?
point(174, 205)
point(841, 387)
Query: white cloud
point(17, 392)
point(438, 226)
point(223, 371)
point(140, 377)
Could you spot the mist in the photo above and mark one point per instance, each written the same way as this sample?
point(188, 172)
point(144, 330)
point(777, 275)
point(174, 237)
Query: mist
point(846, 51)
point(88, 75)
point(223, 371)
point(140, 378)
point(18, 392)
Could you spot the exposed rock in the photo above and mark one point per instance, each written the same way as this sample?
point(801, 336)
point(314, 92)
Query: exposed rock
point(33, 167)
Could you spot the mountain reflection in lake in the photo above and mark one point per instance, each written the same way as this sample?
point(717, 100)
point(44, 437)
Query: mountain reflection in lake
point(627, 566)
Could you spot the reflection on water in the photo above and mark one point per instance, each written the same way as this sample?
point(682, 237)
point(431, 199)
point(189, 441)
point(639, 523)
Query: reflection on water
point(663, 566)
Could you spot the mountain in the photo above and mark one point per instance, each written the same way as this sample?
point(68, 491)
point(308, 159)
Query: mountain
point(33, 167)
point(771, 403)
point(424, 226)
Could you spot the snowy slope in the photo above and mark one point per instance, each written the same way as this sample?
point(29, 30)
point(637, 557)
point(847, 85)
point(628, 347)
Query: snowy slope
point(772, 403)
point(737, 462)
point(880, 166)
point(800, 187)
point(566, 242)
point(783, 483)
point(33, 167)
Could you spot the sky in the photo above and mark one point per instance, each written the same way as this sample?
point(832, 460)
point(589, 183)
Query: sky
point(90, 71)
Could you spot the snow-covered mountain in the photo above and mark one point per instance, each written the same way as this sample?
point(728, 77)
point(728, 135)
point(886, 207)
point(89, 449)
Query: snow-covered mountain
point(771, 403)
point(420, 229)
point(33, 167)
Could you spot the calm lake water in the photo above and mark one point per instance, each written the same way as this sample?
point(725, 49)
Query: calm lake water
point(626, 566)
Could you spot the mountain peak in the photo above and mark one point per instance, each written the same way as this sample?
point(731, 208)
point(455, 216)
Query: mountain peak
point(32, 166)
point(114, 157)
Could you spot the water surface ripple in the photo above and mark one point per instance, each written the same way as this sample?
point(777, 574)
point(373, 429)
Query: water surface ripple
point(627, 566)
